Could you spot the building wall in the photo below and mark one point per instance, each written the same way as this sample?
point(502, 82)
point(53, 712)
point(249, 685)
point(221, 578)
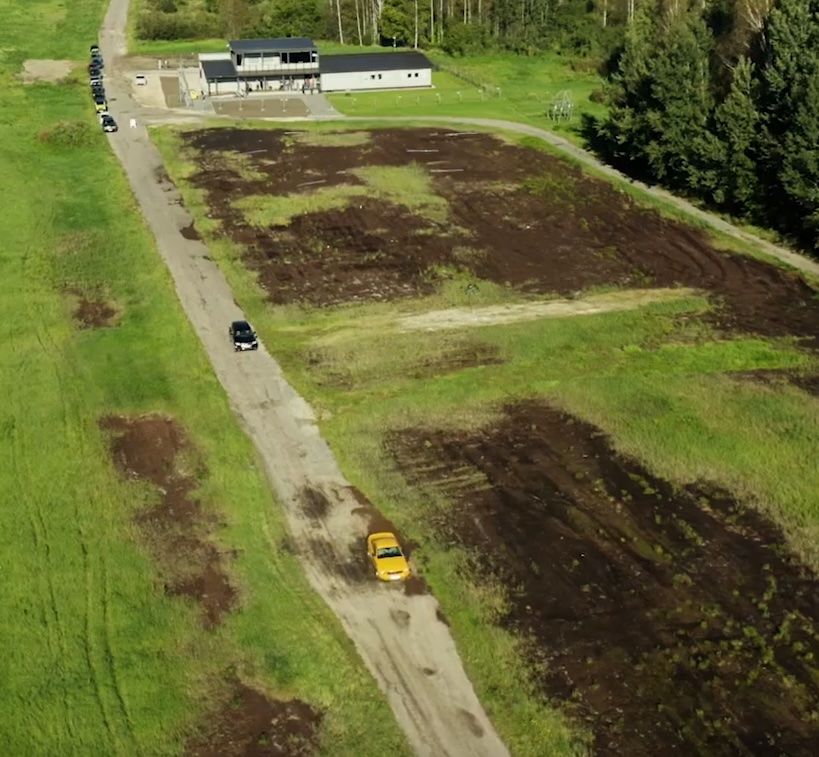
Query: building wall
point(361, 81)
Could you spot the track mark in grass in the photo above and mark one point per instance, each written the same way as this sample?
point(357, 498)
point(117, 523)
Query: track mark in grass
point(672, 619)
point(248, 724)
point(176, 530)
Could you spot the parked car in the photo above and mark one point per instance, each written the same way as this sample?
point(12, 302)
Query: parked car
point(243, 336)
point(387, 557)
point(96, 59)
point(100, 104)
point(107, 122)
point(141, 80)
point(96, 82)
point(94, 69)
point(94, 49)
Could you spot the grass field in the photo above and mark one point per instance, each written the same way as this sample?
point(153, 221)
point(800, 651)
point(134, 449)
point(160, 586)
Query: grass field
point(98, 660)
point(657, 379)
point(510, 87)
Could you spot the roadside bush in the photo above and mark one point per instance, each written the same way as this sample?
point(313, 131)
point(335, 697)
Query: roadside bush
point(69, 134)
point(169, 26)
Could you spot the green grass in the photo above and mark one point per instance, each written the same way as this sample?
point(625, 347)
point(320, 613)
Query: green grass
point(280, 210)
point(98, 660)
point(658, 379)
point(315, 138)
point(408, 186)
point(508, 87)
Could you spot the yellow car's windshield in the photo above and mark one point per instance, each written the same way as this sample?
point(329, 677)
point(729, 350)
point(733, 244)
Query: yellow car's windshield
point(389, 552)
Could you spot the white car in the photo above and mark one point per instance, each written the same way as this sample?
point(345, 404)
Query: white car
point(141, 80)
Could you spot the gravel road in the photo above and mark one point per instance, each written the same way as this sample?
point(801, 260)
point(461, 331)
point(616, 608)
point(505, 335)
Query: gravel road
point(408, 650)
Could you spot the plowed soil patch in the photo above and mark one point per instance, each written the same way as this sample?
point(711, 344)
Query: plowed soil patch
point(248, 724)
point(155, 450)
point(533, 221)
point(95, 314)
point(673, 619)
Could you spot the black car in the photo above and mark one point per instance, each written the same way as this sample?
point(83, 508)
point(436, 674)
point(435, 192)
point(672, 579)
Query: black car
point(108, 124)
point(94, 49)
point(243, 336)
point(94, 69)
point(96, 59)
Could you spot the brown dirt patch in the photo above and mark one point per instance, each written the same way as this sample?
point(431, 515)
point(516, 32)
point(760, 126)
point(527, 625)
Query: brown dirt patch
point(807, 382)
point(95, 314)
point(190, 232)
point(248, 724)
point(541, 225)
point(674, 620)
point(46, 70)
point(177, 531)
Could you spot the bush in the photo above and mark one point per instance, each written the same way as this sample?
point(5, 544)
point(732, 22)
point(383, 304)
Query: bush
point(598, 96)
point(69, 134)
point(170, 26)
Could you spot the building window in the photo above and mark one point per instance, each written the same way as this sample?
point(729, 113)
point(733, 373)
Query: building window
point(238, 59)
point(416, 76)
point(379, 76)
point(372, 76)
point(409, 76)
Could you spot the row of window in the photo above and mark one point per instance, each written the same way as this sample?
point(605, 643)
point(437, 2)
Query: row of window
point(409, 76)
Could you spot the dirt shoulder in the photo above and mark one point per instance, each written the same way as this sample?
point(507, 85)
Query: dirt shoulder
point(397, 634)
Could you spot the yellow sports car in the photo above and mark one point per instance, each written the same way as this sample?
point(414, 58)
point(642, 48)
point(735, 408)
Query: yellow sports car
point(387, 557)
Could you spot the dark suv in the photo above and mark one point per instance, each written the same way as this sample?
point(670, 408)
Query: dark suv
point(243, 336)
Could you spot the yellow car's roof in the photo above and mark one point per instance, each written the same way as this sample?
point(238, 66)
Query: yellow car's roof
point(384, 539)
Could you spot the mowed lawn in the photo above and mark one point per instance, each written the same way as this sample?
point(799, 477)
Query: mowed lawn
point(96, 659)
point(658, 379)
point(504, 86)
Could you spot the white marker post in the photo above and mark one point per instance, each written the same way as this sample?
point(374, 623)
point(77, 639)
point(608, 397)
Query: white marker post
point(133, 123)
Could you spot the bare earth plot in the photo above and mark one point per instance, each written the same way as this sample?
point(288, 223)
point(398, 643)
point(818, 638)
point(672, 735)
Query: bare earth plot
point(515, 216)
point(673, 620)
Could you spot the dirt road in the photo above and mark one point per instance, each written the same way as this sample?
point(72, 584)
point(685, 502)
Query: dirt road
point(407, 648)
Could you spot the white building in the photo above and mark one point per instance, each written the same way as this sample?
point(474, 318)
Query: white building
point(293, 63)
point(362, 71)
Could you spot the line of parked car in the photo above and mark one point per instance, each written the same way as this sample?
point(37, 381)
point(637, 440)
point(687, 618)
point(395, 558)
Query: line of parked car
point(96, 80)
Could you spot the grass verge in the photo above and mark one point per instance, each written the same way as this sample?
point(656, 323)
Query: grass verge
point(104, 662)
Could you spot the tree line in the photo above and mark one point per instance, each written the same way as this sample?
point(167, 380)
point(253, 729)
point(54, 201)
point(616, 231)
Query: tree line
point(722, 103)
point(576, 27)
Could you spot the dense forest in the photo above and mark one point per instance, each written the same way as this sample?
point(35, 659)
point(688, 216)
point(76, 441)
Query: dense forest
point(715, 99)
point(722, 103)
point(580, 27)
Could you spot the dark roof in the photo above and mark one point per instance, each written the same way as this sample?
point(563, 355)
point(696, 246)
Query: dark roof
point(342, 64)
point(218, 69)
point(271, 45)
